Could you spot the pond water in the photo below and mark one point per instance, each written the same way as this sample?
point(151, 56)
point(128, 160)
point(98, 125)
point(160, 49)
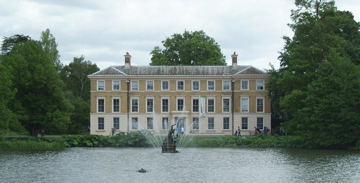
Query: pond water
point(190, 165)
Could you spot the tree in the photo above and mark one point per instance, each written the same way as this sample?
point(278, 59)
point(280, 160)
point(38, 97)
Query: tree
point(75, 77)
point(49, 45)
point(190, 48)
point(9, 42)
point(331, 116)
point(322, 34)
point(7, 93)
point(77, 87)
point(39, 102)
point(80, 118)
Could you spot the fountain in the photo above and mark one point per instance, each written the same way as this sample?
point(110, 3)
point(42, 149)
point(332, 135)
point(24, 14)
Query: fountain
point(175, 138)
point(169, 144)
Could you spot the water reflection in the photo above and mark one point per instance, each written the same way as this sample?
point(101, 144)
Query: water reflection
point(190, 165)
point(324, 165)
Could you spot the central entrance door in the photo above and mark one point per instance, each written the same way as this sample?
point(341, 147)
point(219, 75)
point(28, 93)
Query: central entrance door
point(180, 123)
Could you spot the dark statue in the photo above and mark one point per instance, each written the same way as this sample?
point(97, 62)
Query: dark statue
point(170, 137)
point(169, 144)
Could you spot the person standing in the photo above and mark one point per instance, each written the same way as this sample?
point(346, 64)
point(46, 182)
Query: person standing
point(257, 130)
point(113, 130)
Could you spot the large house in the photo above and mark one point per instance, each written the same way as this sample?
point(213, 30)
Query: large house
point(198, 100)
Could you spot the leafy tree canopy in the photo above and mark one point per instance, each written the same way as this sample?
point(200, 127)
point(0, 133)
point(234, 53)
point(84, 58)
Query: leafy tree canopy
point(189, 48)
point(10, 42)
point(75, 77)
point(331, 116)
point(77, 88)
point(7, 93)
point(322, 35)
point(39, 102)
point(49, 45)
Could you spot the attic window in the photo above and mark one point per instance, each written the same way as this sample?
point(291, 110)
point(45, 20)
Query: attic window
point(260, 85)
point(180, 85)
point(101, 85)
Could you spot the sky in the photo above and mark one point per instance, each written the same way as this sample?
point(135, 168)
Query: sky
point(103, 31)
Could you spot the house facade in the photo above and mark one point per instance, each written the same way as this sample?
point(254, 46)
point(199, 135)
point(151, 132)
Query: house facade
point(198, 100)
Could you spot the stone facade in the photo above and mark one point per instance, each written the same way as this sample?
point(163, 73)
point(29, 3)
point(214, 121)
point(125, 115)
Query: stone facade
point(132, 98)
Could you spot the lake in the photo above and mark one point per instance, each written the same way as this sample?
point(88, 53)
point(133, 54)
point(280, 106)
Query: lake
point(189, 165)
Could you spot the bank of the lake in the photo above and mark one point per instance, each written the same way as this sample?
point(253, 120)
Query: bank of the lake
point(137, 139)
point(31, 143)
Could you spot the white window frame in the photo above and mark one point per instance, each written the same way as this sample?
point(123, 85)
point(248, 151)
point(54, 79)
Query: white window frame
point(258, 86)
point(132, 123)
point(116, 98)
point(113, 85)
point(177, 85)
point(247, 81)
point(114, 123)
point(132, 83)
point(147, 123)
point(262, 121)
point(168, 104)
point(226, 98)
point(213, 123)
point(241, 104)
point(209, 85)
point(263, 104)
point(163, 123)
point(131, 104)
point(207, 106)
point(98, 85)
point(98, 123)
point(195, 120)
point(247, 123)
point(229, 85)
point(146, 104)
point(177, 104)
point(97, 104)
point(162, 85)
point(192, 104)
point(192, 83)
point(147, 85)
point(224, 123)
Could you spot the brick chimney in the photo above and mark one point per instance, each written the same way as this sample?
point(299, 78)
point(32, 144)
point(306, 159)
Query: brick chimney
point(127, 60)
point(234, 59)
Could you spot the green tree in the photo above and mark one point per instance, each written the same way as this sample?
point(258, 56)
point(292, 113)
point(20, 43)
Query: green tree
point(9, 42)
point(49, 45)
point(77, 87)
point(39, 102)
point(189, 48)
point(322, 34)
point(331, 116)
point(7, 93)
point(80, 118)
point(75, 77)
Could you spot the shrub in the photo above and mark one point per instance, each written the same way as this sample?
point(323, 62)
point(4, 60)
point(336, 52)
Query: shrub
point(258, 141)
point(30, 143)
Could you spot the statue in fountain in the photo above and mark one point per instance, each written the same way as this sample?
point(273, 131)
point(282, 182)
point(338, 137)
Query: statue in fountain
point(169, 144)
point(170, 139)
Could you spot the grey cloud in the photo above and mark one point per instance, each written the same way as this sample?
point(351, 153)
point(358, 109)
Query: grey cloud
point(103, 31)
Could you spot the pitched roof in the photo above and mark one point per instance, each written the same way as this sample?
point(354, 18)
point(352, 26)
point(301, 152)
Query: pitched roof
point(179, 70)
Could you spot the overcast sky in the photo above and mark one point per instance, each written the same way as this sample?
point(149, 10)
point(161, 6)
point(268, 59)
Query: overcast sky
point(103, 31)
